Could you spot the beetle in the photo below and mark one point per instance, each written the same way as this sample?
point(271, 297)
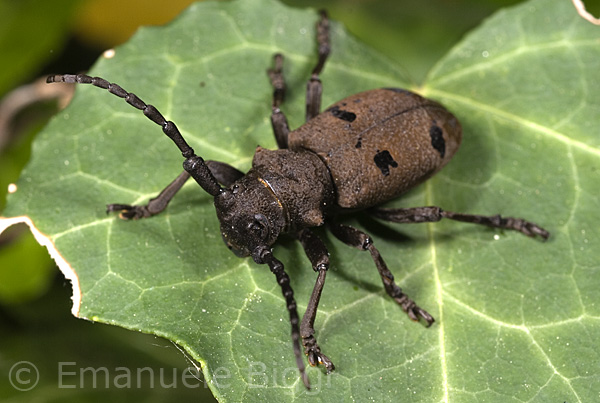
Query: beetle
point(358, 153)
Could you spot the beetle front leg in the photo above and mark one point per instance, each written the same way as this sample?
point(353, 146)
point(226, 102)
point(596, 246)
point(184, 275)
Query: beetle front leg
point(434, 214)
point(224, 173)
point(319, 257)
point(263, 255)
point(314, 88)
point(154, 206)
point(353, 237)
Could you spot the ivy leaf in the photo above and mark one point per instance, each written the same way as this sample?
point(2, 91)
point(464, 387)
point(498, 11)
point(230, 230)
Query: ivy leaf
point(24, 23)
point(516, 318)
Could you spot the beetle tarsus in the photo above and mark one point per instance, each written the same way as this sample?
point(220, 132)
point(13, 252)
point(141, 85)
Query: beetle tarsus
point(314, 87)
point(128, 212)
point(414, 312)
point(314, 354)
point(277, 81)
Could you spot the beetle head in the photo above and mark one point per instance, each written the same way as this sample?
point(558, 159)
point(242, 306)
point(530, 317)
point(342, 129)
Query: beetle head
point(250, 214)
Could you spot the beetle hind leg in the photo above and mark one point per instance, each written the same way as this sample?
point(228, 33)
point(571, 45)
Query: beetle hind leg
point(358, 239)
point(434, 214)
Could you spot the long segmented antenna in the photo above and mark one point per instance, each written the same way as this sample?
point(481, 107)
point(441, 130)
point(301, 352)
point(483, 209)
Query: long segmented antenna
point(193, 163)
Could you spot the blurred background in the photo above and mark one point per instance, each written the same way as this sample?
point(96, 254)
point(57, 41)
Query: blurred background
point(40, 37)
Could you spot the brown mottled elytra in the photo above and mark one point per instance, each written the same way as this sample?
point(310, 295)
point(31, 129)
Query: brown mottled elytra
point(360, 152)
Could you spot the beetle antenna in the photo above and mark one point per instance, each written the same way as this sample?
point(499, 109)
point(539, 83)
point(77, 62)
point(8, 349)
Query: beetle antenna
point(193, 163)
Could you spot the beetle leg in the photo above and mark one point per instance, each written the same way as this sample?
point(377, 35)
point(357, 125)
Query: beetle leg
point(263, 255)
point(319, 257)
point(224, 173)
point(433, 214)
point(358, 239)
point(314, 88)
point(278, 119)
point(154, 206)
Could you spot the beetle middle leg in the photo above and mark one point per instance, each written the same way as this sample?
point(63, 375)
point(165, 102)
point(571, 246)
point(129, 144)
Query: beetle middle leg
point(317, 253)
point(434, 214)
point(353, 237)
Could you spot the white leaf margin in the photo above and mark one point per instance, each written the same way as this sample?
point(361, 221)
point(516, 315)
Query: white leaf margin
point(46, 241)
point(580, 7)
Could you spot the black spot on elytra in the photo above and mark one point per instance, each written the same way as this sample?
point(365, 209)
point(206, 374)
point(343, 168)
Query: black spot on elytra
point(342, 114)
point(384, 160)
point(437, 139)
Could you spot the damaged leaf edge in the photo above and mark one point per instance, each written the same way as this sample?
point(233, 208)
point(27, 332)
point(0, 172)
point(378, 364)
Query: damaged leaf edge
point(61, 262)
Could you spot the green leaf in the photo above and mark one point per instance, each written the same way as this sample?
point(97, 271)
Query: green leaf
point(49, 356)
point(26, 34)
point(516, 318)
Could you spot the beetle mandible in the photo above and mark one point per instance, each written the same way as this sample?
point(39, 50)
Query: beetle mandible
point(360, 152)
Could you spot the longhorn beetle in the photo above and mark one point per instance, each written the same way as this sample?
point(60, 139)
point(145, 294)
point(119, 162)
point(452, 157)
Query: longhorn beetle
point(360, 152)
